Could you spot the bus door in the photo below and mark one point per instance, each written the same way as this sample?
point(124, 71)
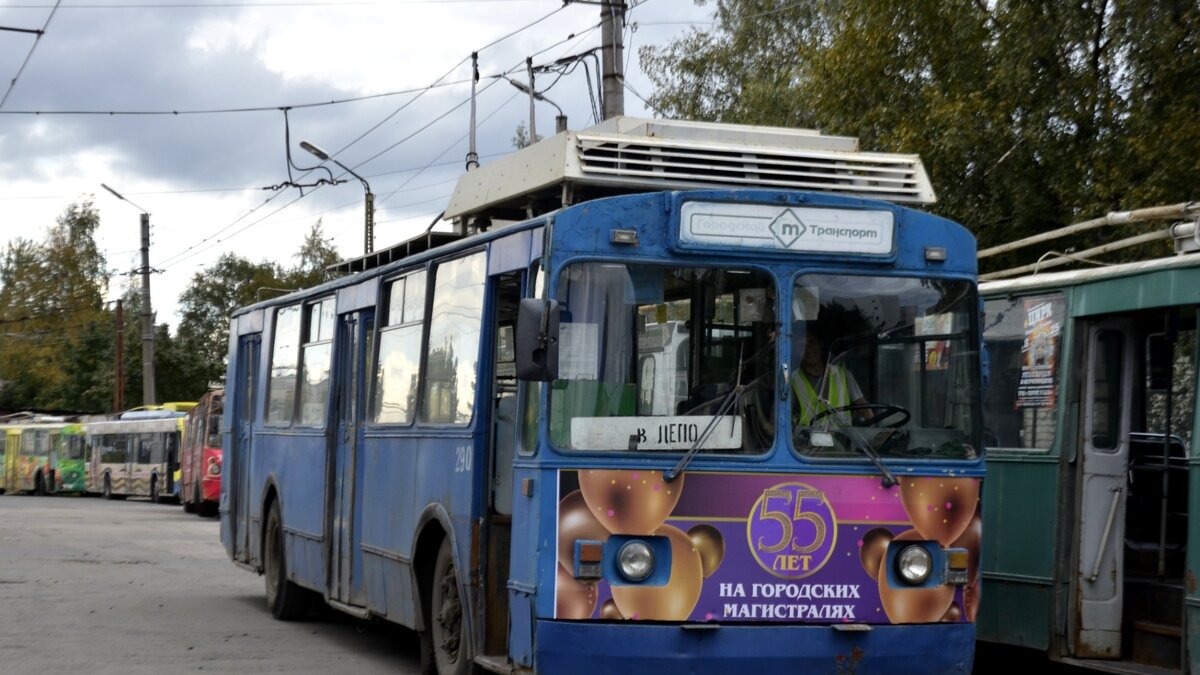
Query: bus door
point(507, 291)
point(241, 441)
point(1104, 452)
point(346, 558)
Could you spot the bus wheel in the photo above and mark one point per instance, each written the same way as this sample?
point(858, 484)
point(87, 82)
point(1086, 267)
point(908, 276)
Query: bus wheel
point(444, 638)
point(188, 506)
point(107, 489)
point(39, 484)
point(286, 600)
point(154, 496)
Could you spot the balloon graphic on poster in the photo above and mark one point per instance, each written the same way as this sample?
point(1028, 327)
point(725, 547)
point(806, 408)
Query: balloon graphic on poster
point(874, 546)
point(629, 501)
point(969, 540)
point(675, 600)
point(575, 522)
point(953, 615)
point(710, 545)
point(574, 599)
point(609, 611)
point(940, 507)
point(913, 604)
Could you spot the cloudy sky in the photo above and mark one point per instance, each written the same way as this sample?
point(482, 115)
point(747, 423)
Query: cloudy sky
point(201, 175)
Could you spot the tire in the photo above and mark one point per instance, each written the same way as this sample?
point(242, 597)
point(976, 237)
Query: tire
point(106, 491)
point(39, 484)
point(155, 498)
point(189, 507)
point(286, 600)
point(445, 644)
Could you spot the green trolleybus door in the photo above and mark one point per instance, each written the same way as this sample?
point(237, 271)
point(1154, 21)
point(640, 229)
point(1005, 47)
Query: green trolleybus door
point(1096, 629)
point(242, 440)
point(345, 570)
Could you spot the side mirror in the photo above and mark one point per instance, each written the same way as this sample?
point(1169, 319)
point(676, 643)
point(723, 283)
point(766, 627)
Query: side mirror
point(537, 340)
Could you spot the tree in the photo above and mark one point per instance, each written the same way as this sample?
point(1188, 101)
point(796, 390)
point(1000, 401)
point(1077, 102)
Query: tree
point(1029, 115)
point(209, 300)
point(52, 312)
point(315, 256)
point(521, 138)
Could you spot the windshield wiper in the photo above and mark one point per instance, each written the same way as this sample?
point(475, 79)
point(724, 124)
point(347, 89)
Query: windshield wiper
point(730, 400)
point(861, 444)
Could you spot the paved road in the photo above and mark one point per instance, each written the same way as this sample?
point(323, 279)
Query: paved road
point(95, 586)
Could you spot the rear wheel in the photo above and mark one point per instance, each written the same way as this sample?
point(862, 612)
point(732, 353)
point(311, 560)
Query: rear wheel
point(445, 647)
point(154, 496)
point(39, 484)
point(286, 600)
point(106, 491)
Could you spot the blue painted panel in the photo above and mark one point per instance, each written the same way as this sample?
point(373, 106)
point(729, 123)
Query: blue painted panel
point(582, 648)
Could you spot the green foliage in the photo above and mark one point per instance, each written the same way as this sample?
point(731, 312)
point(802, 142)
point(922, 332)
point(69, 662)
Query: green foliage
point(57, 350)
point(1029, 115)
point(51, 310)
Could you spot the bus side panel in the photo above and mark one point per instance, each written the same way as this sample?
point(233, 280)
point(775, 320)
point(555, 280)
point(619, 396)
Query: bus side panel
point(388, 527)
point(523, 567)
point(295, 463)
point(1020, 519)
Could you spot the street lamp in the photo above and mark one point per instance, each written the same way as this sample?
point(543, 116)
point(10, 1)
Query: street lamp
point(147, 312)
point(369, 226)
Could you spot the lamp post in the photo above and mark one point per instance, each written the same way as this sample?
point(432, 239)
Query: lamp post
point(147, 312)
point(369, 226)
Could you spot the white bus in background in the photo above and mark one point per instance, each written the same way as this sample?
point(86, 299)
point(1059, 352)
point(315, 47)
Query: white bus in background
point(137, 454)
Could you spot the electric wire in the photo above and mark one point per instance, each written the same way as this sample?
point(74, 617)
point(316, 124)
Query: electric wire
point(12, 84)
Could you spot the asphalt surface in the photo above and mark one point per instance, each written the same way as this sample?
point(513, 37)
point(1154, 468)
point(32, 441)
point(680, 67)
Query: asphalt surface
point(127, 587)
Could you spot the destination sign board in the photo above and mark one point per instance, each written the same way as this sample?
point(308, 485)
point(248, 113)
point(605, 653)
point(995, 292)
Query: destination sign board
point(786, 228)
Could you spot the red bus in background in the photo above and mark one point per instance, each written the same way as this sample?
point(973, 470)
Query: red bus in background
point(200, 460)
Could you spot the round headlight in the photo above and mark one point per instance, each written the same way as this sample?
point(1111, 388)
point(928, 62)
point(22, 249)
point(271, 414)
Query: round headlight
point(914, 564)
point(635, 559)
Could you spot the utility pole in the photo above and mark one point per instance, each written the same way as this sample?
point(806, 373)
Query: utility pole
point(147, 310)
point(147, 318)
point(119, 386)
point(612, 56)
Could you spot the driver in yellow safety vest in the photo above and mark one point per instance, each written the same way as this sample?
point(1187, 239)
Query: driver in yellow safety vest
point(839, 388)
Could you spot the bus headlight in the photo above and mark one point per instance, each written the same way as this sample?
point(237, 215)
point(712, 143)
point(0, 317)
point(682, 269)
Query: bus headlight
point(214, 467)
point(914, 564)
point(635, 560)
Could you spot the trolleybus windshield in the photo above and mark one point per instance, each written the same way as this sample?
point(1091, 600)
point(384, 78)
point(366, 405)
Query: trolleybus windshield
point(884, 365)
point(656, 358)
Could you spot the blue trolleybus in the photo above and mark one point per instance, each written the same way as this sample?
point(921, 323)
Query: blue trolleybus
point(672, 397)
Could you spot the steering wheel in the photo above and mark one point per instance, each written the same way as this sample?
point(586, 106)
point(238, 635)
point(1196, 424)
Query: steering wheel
point(887, 410)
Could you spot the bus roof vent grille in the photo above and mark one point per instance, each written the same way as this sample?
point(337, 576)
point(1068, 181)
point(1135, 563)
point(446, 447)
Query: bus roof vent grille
point(626, 154)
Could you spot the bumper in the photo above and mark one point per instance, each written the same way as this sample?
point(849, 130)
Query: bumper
point(589, 647)
point(210, 489)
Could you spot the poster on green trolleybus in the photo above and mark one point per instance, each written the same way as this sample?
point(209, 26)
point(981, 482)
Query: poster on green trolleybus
point(763, 547)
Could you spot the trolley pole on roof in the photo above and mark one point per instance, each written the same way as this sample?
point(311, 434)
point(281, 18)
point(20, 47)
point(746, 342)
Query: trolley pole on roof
point(612, 56)
point(148, 397)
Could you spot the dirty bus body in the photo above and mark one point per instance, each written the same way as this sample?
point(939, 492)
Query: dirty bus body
point(466, 436)
point(200, 455)
point(137, 454)
point(1091, 425)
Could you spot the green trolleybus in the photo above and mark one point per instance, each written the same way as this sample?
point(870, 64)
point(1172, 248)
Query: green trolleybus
point(1091, 554)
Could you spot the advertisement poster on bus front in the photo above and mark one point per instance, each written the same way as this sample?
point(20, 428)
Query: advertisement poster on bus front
point(763, 547)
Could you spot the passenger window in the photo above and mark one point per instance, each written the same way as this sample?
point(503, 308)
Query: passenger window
point(281, 397)
point(317, 353)
point(448, 395)
point(1022, 338)
point(399, 364)
point(1106, 395)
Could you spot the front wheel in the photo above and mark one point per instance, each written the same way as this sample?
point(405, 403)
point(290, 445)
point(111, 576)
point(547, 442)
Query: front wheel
point(106, 491)
point(445, 642)
point(286, 600)
point(154, 496)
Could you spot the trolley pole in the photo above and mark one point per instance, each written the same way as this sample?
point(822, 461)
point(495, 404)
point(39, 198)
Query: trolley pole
point(612, 56)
